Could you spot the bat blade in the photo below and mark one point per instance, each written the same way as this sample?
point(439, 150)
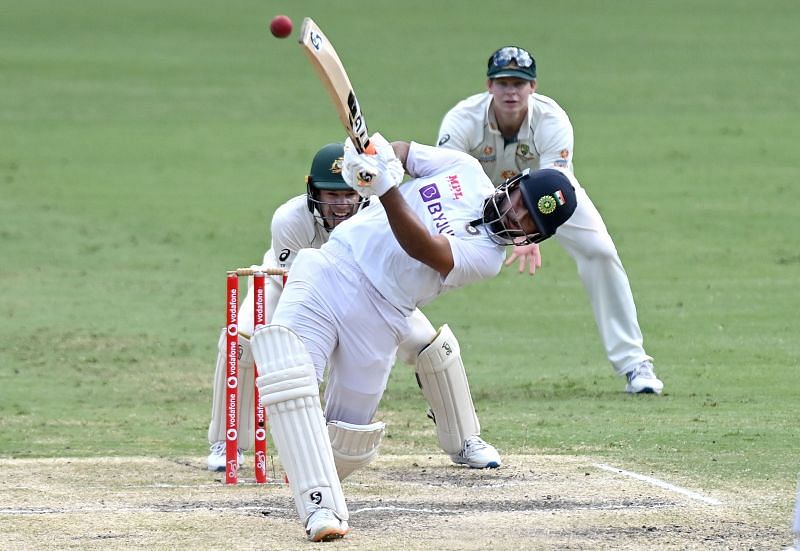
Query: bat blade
point(331, 72)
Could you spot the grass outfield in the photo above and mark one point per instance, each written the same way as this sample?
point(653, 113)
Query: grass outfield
point(144, 146)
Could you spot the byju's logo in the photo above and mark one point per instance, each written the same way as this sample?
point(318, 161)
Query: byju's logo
point(429, 192)
point(430, 195)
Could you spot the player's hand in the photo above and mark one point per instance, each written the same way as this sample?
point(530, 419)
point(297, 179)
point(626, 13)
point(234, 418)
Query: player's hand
point(372, 174)
point(528, 255)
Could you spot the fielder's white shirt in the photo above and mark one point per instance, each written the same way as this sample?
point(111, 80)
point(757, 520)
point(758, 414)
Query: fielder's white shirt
point(293, 228)
point(545, 141)
point(448, 192)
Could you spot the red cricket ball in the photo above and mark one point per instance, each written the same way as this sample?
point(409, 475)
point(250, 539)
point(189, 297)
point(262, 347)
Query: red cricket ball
point(280, 26)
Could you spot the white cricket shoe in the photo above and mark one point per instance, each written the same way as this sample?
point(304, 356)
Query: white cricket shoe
point(642, 380)
point(324, 525)
point(216, 459)
point(477, 454)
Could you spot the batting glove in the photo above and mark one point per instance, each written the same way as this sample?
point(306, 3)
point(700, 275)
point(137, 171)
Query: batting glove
point(372, 174)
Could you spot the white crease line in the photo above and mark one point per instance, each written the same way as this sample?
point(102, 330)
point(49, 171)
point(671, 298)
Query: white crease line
point(609, 507)
point(132, 509)
point(660, 484)
point(127, 509)
point(405, 509)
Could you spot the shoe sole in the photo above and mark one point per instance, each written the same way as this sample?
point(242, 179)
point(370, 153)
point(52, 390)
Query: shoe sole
point(645, 390)
point(489, 465)
point(330, 534)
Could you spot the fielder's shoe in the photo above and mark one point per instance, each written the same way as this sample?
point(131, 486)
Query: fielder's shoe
point(477, 454)
point(324, 525)
point(642, 380)
point(216, 459)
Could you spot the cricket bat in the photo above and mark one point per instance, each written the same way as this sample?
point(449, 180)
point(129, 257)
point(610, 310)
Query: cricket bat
point(331, 72)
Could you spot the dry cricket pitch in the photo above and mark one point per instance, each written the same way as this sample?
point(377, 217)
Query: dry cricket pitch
point(399, 502)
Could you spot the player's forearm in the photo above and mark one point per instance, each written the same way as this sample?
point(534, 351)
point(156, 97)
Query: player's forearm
point(413, 236)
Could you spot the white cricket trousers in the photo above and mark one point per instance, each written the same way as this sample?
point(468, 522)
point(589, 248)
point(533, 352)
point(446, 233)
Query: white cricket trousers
point(346, 324)
point(585, 237)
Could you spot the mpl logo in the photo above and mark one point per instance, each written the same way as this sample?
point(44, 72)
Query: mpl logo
point(455, 186)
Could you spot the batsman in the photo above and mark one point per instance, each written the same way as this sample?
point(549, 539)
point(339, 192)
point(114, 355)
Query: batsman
point(346, 306)
point(306, 221)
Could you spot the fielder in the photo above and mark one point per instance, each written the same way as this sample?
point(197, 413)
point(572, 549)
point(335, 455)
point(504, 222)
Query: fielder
point(510, 128)
point(346, 305)
point(306, 221)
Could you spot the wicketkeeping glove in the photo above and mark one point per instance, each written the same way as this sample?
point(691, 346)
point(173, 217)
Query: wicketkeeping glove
point(372, 174)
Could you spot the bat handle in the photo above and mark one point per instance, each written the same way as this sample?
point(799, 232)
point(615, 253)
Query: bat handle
point(364, 146)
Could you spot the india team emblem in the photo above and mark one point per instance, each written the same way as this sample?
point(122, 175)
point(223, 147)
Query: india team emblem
point(546, 204)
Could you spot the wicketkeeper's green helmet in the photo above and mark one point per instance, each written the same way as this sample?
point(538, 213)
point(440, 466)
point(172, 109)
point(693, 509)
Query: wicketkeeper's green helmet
point(326, 169)
point(326, 174)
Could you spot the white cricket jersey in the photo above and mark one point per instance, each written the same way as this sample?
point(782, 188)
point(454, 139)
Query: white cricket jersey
point(545, 141)
point(293, 228)
point(447, 193)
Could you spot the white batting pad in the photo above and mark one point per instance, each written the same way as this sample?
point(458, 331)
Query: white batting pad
point(441, 376)
point(218, 425)
point(288, 386)
point(354, 446)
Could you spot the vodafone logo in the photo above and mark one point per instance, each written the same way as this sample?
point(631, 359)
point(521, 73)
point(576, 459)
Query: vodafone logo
point(233, 330)
point(232, 382)
point(232, 434)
